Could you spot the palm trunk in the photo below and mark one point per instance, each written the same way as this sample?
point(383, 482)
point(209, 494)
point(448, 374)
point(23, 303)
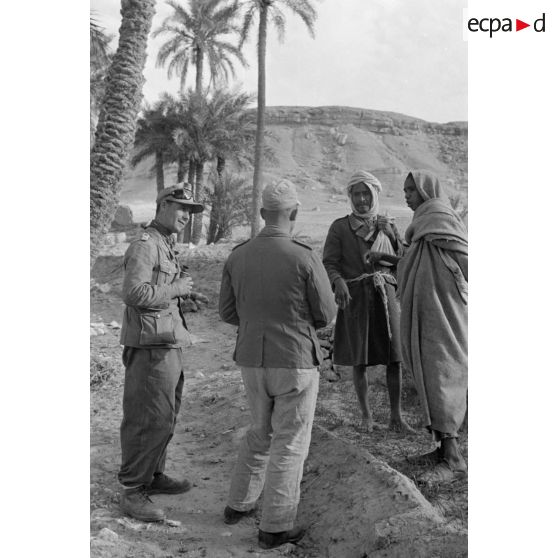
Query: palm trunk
point(213, 218)
point(198, 217)
point(260, 122)
point(192, 172)
point(180, 174)
point(217, 206)
point(159, 170)
point(199, 70)
point(116, 128)
point(220, 166)
point(186, 235)
point(181, 171)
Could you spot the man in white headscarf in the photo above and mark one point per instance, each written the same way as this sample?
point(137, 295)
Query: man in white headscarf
point(367, 326)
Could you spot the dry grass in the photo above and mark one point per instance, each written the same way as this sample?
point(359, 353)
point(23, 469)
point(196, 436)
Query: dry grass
point(101, 369)
point(338, 411)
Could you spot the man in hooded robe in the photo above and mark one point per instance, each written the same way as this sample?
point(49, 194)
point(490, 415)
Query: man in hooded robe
point(433, 285)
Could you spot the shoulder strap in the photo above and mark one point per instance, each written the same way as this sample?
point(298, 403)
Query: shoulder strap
point(300, 243)
point(241, 244)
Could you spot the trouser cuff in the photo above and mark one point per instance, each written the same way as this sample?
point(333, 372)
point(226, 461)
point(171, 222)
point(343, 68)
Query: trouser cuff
point(132, 487)
point(241, 507)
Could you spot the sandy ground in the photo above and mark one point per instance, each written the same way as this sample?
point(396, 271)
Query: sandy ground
point(355, 500)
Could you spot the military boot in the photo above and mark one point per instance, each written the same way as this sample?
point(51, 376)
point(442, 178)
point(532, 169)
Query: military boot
point(273, 540)
point(137, 504)
point(162, 484)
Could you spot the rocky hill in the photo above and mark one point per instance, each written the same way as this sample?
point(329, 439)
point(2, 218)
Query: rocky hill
point(322, 146)
point(319, 148)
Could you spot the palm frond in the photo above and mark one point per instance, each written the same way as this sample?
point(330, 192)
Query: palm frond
point(99, 40)
point(178, 65)
point(181, 14)
point(305, 10)
point(278, 20)
point(173, 28)
point(200, 26)
point(140, 156)
point(227, 67)
point(232, 49)
point(247, 21)
point(167, 50)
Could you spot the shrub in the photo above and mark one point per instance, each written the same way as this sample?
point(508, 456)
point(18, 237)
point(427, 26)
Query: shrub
point(230, 204)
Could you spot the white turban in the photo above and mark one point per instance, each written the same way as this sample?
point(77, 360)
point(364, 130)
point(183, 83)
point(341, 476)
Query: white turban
point(373, 185)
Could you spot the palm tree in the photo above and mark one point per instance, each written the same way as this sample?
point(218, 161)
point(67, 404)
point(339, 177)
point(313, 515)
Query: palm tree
point(195, 135)
point(99, 60)
point(197, 37)
point(213, 126)
point(98, 44)
point(230, 204)
point(268, 9)
point(96, 92)
point(233, 139)
point(154, 137)
point(234, 130)
point(117, 119)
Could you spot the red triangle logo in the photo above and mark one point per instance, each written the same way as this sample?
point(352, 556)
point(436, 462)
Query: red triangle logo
point(519, 25)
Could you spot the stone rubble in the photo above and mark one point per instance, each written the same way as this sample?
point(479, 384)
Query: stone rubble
point(327, 368)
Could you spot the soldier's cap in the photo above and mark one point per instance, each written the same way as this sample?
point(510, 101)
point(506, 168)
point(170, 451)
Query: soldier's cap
point(280, 195)
point(182, 193)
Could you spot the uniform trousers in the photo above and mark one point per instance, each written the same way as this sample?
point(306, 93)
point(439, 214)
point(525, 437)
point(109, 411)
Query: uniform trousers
point(271, 457)
point(152, 395)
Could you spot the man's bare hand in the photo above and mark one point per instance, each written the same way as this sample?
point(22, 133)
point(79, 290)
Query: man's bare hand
point(385, 224)
point(182, 286)
point(373, 257)
point(342, 296)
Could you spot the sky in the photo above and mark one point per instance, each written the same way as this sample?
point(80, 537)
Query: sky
point(405, 56)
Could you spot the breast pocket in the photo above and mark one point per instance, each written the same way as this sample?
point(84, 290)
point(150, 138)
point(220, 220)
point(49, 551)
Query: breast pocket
point(156, 328)
point(165, 273)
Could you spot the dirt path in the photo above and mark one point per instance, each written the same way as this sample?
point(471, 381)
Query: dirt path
point(356, 504)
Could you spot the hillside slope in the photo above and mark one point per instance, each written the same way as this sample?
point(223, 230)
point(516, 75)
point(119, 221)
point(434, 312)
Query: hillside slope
point(320, 147)
point(323, 146)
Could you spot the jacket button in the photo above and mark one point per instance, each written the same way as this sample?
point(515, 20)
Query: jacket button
point(158, 315)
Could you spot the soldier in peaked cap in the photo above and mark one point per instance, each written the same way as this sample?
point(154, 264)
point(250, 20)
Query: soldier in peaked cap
point(276, 290)
point(153, 333)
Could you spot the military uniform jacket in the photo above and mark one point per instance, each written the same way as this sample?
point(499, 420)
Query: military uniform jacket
point(152, 318)
point(276, 290)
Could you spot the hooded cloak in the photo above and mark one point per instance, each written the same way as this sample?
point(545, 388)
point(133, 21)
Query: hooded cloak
point(432, 285)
